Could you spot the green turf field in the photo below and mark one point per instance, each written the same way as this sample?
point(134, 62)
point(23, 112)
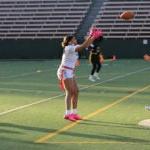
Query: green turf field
point(32, 107)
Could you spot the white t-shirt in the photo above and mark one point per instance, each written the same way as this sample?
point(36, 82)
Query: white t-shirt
point(70, 56)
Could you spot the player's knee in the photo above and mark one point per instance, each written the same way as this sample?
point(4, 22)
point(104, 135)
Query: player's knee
point(72, 91)
point(76, 91)
point(69, 92)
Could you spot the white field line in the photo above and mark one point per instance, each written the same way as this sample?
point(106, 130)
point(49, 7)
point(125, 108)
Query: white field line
point(25, 74)
point(31, 73)
point(37, 71)
point(54, 97)
point(26, 90)
point(31, 104)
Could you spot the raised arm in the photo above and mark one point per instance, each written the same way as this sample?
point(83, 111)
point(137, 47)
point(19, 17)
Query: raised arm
point(85, 44)
point(94, 34)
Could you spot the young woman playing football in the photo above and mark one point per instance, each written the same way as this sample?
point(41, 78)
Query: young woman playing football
point(66, 70)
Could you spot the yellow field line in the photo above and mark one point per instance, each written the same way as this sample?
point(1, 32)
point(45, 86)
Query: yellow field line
point(88, 142)
point(112, 87)
point(93, 142)
point(67, 127)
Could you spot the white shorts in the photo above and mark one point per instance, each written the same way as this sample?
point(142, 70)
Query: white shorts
point(63, 74)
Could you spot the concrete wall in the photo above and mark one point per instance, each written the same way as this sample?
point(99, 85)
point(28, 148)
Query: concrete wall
point(32, 49)
point(128, 48)
point(51, 49)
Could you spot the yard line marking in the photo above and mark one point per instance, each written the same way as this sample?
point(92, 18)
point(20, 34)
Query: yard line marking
point(114, 78)
point(116, 102)
point(110, 87)
point(29, 91)
point(27, 83)
point(29, 73)
point(29, 105)
point(60, 95)
point(94, 142)
point(88, 142)
point(50, 135)
point(25, 74)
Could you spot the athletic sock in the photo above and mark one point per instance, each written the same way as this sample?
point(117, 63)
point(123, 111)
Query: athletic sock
point(68, 112)
point(74, 111)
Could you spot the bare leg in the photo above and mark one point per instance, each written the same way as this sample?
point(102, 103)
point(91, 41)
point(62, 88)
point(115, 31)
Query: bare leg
point(69, 84)
point(75, 94)
point(75, 101)
point(68, 90)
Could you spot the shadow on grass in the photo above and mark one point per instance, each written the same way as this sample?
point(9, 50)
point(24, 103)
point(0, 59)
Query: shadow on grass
point(8, 143)
point(9, 131)
point(22, 127)
point(86, 136)
point(10, 140)
point(114, 91)
point(112, 124)
point(108, 137)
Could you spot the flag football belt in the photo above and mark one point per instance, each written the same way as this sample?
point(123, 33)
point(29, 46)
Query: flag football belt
point(61, 82)
point(69, 68)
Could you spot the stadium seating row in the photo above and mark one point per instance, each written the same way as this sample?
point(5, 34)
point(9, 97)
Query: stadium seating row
point(113, 27)
point(41, 19)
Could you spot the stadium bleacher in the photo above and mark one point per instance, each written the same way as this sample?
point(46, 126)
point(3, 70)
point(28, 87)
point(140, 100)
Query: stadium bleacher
point(41, 19)
point(26, 26)
point(113, 27)
point(52, 19)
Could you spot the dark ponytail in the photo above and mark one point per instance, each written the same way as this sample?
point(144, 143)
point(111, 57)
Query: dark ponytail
point(66, 40)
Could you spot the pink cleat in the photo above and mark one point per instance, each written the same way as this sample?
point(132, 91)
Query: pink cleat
point(70, 117)
point(77, 117)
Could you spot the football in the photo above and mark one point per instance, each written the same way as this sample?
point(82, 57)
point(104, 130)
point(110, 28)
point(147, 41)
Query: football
point(127, 15)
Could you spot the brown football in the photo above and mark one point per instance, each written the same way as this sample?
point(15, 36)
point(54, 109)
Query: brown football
point(127, 15)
